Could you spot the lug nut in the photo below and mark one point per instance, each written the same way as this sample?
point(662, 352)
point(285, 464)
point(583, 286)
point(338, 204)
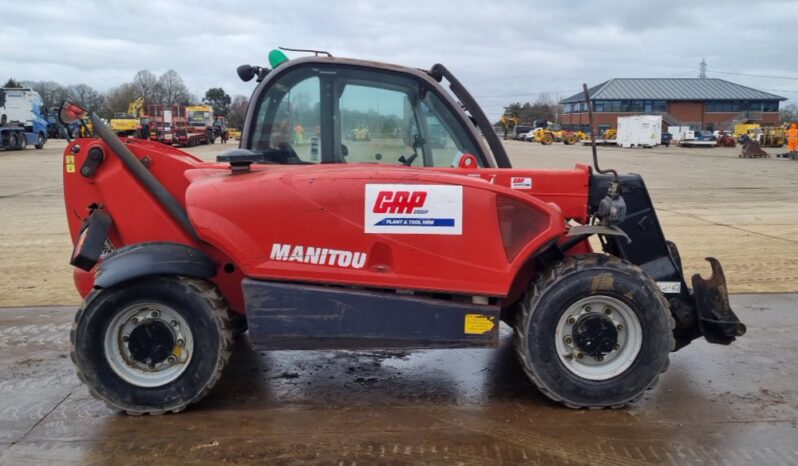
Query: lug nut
point(579, 355)
point(135, 320)
point(173, 323)
point(620, 327)
point(569, 357)
point(180, 342)
point(571, 320)
point(607, 311)
point(616, 347)
point(155, 314)
point(171, 359)
point(599, 358)
point(568, 340)
point(125, 338)
point(587, 308)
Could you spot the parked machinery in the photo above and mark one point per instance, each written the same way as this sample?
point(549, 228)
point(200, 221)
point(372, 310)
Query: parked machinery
point(200, 120)
point(406, 250)
point(128, 124)
point(773, 136)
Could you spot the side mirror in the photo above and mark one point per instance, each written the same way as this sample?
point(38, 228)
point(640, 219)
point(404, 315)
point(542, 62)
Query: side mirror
point(70, 113)
point(246, 72)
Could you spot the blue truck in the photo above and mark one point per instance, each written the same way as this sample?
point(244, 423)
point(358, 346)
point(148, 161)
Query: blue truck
point(23, 119)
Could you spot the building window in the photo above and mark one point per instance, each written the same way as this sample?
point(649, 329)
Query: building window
point(742, 105)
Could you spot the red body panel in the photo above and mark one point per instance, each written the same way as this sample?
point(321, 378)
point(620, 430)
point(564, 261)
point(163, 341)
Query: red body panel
point(241, 217)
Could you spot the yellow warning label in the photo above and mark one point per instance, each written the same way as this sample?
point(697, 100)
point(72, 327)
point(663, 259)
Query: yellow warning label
point(70, 168)
point(477, 324)
point(69, 159)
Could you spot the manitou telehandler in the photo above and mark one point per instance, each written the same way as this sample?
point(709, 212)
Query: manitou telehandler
point(391, 244)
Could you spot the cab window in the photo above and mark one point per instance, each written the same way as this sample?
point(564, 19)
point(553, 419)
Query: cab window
point(391, 119)
point(288, 120)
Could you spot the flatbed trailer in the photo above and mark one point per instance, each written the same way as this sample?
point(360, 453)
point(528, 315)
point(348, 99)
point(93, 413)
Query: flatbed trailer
point(190, 139)
point(696, 143)
point(601, 142)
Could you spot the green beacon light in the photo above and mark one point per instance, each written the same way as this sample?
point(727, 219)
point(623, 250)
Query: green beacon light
point(277, 58)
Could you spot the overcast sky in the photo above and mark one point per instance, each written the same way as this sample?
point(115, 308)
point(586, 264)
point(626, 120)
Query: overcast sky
point(502, 51)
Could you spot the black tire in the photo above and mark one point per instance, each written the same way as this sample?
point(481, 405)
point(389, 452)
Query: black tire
point(566, 284)
point(197, 302)
point(211, 138)
point(13, 143)
point(22, 142)
point(40, 141)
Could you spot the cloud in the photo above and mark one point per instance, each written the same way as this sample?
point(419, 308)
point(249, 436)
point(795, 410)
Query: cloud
point(502, 51)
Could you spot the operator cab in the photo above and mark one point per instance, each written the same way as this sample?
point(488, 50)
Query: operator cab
point(329, 110)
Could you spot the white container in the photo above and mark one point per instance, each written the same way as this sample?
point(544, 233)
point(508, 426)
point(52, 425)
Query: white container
point(639, 131)
point(678, 132)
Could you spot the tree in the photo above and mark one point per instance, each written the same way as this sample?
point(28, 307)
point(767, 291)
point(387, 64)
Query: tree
point(118, 99)
point(51, 92)
point(147, 86)
point(173, 90)
point(789, 113)
point(218, 99)
point(546, 107)
point(12, 83)
point(85, 96)
point(237, 112)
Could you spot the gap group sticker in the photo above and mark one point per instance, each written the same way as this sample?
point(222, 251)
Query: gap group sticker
point(520, 182)
point(414, 209)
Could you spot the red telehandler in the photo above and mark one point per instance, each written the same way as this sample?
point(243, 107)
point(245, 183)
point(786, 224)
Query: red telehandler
point(312, 240)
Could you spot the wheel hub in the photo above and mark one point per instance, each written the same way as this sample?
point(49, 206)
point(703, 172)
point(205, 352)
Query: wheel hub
point(595, 335)
point(151, 343)
point(148, 345)
point(598, 337)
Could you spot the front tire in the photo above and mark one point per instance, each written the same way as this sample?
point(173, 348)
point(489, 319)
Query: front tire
point(594, 331)
point(153, 345)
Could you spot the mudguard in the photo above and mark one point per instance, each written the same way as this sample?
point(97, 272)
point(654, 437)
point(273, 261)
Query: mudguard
point(146, 259)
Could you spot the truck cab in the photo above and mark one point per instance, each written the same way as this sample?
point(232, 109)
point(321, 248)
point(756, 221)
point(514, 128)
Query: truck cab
point(23, 119)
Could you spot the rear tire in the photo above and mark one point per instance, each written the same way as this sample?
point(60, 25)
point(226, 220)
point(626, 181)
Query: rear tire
point(22, 142)
point(13, 143)
point(594, 331)
point(153, 345)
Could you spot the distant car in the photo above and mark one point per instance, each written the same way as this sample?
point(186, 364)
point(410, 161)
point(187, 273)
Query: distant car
point(705, 136)
point(520, 132)
point(666, 139)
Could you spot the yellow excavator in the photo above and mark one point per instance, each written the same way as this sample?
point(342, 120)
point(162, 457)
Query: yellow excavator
point(508, 124)
point(127, 124)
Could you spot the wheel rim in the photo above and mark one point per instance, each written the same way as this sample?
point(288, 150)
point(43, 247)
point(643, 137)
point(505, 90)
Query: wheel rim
point(598, 337)
point(148, 345)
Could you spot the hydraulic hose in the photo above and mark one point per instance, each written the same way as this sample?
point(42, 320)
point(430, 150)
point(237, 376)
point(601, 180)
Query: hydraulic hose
point(140, 172)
